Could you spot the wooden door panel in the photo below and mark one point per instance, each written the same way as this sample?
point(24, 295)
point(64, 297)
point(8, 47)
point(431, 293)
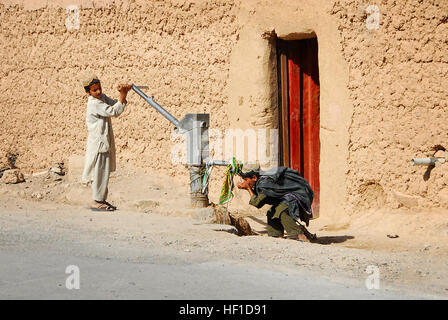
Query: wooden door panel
point(284, 110)
point(311, 119)
point(301, 88)
point(295, 136)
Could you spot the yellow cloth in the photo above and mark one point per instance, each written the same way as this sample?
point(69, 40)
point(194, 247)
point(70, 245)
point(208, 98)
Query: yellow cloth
point(233, 168)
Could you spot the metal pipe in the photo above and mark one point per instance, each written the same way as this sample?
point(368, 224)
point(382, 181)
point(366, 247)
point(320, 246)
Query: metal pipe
point(216, 162)
point(198, 198)
point(220, 163)
point(156, 106)
point(426, 161)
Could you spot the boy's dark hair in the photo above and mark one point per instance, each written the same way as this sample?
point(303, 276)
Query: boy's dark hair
point(250, 174)
point(87, 88)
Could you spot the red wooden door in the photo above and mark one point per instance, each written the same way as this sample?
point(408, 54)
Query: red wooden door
point(300, 112)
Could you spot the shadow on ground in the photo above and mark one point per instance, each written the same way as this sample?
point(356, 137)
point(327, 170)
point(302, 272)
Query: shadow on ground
point(320, 240)
point(332, 239)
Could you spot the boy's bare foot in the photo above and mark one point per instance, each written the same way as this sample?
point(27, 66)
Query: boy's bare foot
point(303, 238)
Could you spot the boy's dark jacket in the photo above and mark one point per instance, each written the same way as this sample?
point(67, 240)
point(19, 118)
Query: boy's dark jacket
point(288, 186)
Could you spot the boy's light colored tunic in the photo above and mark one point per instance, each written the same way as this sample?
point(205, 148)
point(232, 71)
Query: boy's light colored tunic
point(100, 151)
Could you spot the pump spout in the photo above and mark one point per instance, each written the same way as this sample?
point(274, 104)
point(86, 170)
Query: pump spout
point(426, 161)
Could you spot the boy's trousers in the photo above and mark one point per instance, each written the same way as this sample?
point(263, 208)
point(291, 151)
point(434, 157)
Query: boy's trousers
point(101, 177)
point(284, 222)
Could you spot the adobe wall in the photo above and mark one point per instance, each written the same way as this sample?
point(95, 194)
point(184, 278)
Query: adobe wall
point(383, 90)
point(398, 86)
point(180, 49)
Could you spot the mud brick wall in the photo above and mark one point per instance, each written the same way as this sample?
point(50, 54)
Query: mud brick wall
point(195, 56)
point(398, 84)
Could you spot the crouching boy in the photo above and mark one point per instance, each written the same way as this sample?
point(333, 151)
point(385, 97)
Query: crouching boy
point(287, 192)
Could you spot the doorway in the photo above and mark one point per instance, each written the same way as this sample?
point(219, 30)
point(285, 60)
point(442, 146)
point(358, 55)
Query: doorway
point(299, 110)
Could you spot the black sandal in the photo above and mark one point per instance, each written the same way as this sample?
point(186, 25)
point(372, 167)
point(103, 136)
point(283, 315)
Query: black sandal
point(103, 207)
point(112, 206)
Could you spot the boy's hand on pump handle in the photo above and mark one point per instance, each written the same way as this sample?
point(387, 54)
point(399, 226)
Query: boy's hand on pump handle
point(124, 88)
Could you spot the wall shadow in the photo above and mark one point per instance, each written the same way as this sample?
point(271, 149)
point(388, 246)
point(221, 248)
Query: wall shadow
point(427, 173)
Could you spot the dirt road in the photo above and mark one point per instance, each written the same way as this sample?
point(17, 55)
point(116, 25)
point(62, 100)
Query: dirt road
point(135, 255)
point(154, 248)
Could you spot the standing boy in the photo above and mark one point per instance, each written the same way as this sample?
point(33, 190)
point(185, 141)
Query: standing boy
point(100, 152)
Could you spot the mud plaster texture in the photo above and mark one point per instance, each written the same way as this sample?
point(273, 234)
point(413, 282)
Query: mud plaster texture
point(398, 87)
point(179, 49)
point(383, 92)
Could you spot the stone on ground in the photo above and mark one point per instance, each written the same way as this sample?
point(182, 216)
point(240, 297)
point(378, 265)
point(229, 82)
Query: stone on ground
point(12, 176)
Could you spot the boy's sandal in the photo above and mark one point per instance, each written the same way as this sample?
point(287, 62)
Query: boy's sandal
point(311, 236)
point(103, 207)
point(107, 203)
